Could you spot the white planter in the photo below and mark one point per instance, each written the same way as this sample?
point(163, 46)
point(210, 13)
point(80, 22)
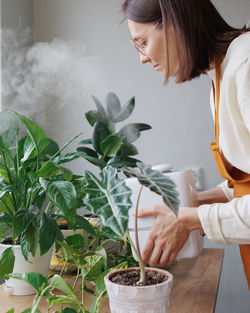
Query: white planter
point(38, 264)
point(141, 299)
point(185, 186)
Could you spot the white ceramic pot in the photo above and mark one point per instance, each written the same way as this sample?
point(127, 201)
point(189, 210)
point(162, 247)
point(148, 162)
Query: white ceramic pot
point(38, 264)
point(139, 299)
point(185, 186)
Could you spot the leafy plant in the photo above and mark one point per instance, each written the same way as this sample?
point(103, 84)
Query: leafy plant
point(109, 198)
point(35, 189)
point(111, 147)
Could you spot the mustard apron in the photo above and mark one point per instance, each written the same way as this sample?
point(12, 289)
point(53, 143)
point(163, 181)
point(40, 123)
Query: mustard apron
point(236, 178)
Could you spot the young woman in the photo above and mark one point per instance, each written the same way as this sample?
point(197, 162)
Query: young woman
point(184, 39)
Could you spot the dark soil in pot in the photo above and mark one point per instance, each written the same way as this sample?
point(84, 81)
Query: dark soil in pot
point(131, 278)
point(9, 241)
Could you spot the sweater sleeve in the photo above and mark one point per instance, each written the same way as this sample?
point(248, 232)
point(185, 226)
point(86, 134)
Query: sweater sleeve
point(229, 192)
point(227, 222)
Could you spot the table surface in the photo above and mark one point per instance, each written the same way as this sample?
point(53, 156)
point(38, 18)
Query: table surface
point(194, 287)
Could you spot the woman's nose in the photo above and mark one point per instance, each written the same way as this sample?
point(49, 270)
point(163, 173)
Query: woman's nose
point(144, 58)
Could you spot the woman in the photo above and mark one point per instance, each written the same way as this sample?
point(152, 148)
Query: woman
point(184, 39)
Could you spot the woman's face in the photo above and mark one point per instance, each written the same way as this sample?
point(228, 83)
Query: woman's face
point(152, 40)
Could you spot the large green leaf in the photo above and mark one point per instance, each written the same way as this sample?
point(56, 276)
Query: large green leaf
point(110, 199)
point(99, 106)
point(125, 111)
point(63, 195)
point(8, 127)
point(113, 106)
point(49, 169)
point(36, 133)
point(76, 241)
point(100, 131)
point(7, 261)
point(67, 157)
point(59, 283)
point(127, 149)
point(111, 145)
point(88, 151)
point(29, 149)
point(84, 224)
point(131, 132)
point(92, 267)
point(21, 221)
point(157, 182)
point(121, 161)
point(31, 235)
point(47, 233)
point(96, 161)
point(36, 280)
point(72, 301)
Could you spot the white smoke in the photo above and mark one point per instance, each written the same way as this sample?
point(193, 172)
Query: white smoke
point(41, 78)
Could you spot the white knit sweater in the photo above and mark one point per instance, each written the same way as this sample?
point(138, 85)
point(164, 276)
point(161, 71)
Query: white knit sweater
point(230, 222)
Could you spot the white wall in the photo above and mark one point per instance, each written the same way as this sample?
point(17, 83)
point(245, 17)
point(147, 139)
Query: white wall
point(15, 11)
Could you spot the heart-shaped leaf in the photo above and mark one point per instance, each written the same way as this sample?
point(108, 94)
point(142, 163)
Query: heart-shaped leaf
point(110, 199)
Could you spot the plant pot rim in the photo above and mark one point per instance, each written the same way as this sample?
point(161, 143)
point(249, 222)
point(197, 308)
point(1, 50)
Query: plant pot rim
point(7, 245)
point(169, 275)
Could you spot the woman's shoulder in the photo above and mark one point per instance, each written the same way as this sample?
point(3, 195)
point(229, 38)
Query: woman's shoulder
point(238, 54)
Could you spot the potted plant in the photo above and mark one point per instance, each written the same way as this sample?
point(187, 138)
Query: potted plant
point(131, 290)
point(108, 146)
point(35, 190)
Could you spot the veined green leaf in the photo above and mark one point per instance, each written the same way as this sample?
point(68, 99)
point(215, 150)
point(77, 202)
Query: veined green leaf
point(29, 149)
point(67, 157)
point(72, 301)
point(76, 241)
point(88, 151)
point(63, 195)
point(7, 261)
point(48, 169)
point(110, 199)
point(100, 163)
point(127, 149)
point(36, 280)
point(111, 145)
point(99, 133)
point(84, 224)
point(157, 182)
point(93, 266)
point(121, 161)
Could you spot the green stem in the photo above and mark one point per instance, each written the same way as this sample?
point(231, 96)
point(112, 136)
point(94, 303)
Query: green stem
point(77, 276)
point(34, 307)
point(142, 268)
point(66, 144)
point(136, 222)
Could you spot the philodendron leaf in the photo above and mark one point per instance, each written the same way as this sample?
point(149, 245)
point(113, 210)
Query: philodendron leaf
point(84, 224)
point(99, 106)
point(7, 261)
point(125, 111)
point(48, 169)
point(36, 280)
point(8, 127)
point(111, 145)
point(157, 182)
point(47, 233)
point(72, 301)
point(110, 199)
point(76, 241)
point(63, 195)
point(131, 132)
point(113, 106)
point(99, 133)
point(92, 267)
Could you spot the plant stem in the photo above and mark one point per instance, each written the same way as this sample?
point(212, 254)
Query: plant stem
point(66, 144)
point(142, 268)
point(34, 308)
point(136, 222)
point(77, 276)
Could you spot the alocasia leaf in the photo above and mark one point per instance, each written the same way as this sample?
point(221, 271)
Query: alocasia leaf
point(110, 199)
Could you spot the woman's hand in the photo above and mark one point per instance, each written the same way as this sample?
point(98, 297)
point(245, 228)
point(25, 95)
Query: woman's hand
point(166, 238)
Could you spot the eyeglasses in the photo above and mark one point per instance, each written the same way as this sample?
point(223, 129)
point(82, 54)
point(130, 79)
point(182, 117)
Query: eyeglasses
point(137, 43)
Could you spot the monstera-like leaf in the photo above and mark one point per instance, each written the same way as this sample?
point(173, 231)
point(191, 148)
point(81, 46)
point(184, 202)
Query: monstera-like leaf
point(110, 199)
point(157, 182)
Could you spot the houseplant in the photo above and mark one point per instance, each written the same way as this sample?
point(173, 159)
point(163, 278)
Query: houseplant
point(35, 191)
point(107, 145)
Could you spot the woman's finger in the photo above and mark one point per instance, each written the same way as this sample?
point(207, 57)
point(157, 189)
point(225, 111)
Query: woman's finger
point(147, 249)
point(155, 256)
point(153, 211)
point(165, 257)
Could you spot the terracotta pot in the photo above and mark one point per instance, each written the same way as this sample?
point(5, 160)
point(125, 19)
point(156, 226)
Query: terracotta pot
point(38, 264)
point(139, 299)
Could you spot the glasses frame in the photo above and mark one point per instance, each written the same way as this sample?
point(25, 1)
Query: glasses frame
point(136, 43)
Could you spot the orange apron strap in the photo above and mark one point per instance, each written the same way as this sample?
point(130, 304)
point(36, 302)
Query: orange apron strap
point(242, 185)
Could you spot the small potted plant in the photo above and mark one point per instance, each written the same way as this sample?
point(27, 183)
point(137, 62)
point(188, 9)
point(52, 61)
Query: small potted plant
point(35, 190)
point(134, 289)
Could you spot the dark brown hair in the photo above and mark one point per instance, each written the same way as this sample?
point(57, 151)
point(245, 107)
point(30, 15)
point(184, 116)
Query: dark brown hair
point(201, 33)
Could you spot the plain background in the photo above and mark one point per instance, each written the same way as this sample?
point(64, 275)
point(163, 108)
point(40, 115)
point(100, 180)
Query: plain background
point(182, 125)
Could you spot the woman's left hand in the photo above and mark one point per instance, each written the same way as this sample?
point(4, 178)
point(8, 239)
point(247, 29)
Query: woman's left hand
point(166, 238)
